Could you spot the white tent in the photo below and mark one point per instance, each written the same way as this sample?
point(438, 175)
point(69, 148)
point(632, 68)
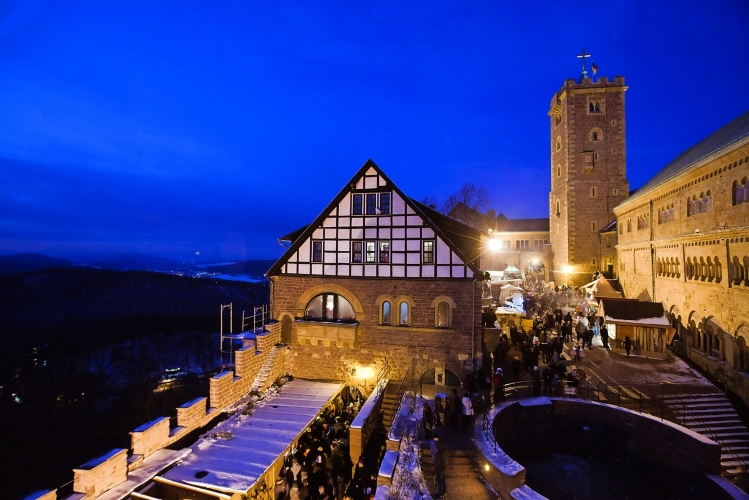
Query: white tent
point(507, 291)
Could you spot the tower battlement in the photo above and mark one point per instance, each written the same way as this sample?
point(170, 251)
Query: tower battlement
point(571, 85)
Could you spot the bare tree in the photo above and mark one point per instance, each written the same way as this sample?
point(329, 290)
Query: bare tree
point(430, 201)
point(476, 198)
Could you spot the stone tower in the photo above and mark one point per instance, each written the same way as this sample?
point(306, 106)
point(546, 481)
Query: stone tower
point(588, 172)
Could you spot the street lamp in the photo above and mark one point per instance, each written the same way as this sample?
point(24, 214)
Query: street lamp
point(567, 270)
point(494, 246)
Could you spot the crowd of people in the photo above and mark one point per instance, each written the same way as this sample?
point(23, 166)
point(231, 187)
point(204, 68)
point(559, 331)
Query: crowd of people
point(319, 467)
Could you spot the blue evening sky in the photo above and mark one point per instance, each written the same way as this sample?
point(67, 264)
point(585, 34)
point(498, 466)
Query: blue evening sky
point(170, 128)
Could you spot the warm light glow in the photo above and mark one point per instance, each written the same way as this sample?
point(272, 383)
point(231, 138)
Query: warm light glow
point(494, 244)
point(567, 269)
point(365, 373)
point(486, 467)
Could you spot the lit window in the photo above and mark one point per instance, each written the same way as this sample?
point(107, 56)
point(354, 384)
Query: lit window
point(385, 203)
point(317, 251)
point(404, 319)
point(371, 204)
point(386, 313)
point(329, 307)
point(428, 256)
point(356, 251)
point(384, 251)
point(371, 251)
point(357, 210)
point(443, 315)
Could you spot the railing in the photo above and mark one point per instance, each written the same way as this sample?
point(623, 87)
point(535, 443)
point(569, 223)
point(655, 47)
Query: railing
point(399, 396)
point(384, 371)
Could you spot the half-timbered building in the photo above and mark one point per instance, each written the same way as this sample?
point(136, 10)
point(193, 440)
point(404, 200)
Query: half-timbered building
point(379, 278)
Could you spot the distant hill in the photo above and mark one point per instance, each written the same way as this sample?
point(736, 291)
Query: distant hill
point(135, 262)
point(26, 262)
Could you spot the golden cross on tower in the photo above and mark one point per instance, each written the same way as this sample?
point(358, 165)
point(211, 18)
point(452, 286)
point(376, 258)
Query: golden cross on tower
point(584, 73)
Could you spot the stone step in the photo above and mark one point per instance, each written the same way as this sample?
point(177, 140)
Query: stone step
point(722, 436)
point(732, 463)
point(734, 456)
point(719, 404)
point(732, 442)
point(718, 428)
point(708, 418)
point(733, 472)
point(703, 411)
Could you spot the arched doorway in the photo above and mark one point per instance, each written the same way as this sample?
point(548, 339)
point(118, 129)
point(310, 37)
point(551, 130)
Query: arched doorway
point(433, 381)
point(286, 330)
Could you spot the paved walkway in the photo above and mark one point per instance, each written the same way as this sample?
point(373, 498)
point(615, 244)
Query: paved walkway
point(463, 477)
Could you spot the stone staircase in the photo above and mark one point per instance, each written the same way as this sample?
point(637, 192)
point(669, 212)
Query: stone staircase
point(462, 477)
point(713, 416)
point(261, 380)
point(389, 400)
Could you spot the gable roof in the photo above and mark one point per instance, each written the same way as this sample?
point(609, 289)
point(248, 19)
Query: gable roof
point(485, 222)
point(609, 228)
point(463, 239)
point(724, 137)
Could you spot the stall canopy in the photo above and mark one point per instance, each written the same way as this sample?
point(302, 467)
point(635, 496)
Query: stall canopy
point(601, 288)
point(508, 292)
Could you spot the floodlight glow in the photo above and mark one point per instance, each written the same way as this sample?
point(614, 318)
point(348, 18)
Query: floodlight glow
point(494, 244)
point(567, 269)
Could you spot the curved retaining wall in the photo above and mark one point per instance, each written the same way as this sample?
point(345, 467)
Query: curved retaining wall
point(543, 426)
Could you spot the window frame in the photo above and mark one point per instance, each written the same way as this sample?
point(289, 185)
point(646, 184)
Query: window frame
point(357, 204)
point(430, 252)
point(354, 252)
point(317, 251)
point(371, 204)
point(336, 297)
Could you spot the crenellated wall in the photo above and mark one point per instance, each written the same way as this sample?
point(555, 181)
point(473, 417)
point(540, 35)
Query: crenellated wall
point(226, 388)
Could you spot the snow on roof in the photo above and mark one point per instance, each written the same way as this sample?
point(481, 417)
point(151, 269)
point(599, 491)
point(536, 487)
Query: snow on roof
point(235, 453)
point(633, 312)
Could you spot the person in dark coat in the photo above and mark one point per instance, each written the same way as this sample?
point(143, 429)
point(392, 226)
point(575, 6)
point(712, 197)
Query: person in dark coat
point(605, 336)
point(535, 382)
point(627, 344)
point(427, 421)
point(440, 466)
point(453, 407)
point(498, 386)
point(516, 367)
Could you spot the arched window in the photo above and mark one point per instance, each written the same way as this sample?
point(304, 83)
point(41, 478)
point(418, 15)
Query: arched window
point(329, 307)
point(738, 193)
point(718, 270)
point(559, 143)
point(404, 318)
point(386, 313)
point(443, 315)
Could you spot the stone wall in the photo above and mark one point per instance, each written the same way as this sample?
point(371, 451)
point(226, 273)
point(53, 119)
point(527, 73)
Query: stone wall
point(695, 264)
point(668, 453)
point(344, 348)
point(613, 435)
point(97, 476)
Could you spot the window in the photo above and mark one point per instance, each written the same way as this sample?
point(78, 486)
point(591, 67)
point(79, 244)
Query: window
point(357, 208)
point(329, 307)
point(385, 203)
point(559, 143)
point(356, 251)
point(538, 245)
point(384, 252)
point(558, 211)
point(593, 192)
point(428, 252)
point(443, 315)
point(371, 251)
point(386, 313)
point(371, 204)
point(559, 170)
point(522, 244)
point(593, 226)
point(594, 107)
point(404, 319)
point(595, 135)
point(317, 251)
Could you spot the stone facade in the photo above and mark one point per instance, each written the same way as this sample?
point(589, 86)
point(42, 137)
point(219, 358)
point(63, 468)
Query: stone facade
point(588, 173)
point(368, 343)
point(684, 241)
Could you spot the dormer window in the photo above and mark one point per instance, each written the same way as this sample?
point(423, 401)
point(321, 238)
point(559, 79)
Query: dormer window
point(357, 208)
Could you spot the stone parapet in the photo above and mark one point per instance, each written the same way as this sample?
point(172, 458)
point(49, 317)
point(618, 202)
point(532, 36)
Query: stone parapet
point(100, 474)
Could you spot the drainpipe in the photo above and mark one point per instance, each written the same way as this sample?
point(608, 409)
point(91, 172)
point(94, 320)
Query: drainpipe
point(473, 326)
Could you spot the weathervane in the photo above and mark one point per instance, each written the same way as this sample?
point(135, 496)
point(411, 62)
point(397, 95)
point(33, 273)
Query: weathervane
point(584, 73)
